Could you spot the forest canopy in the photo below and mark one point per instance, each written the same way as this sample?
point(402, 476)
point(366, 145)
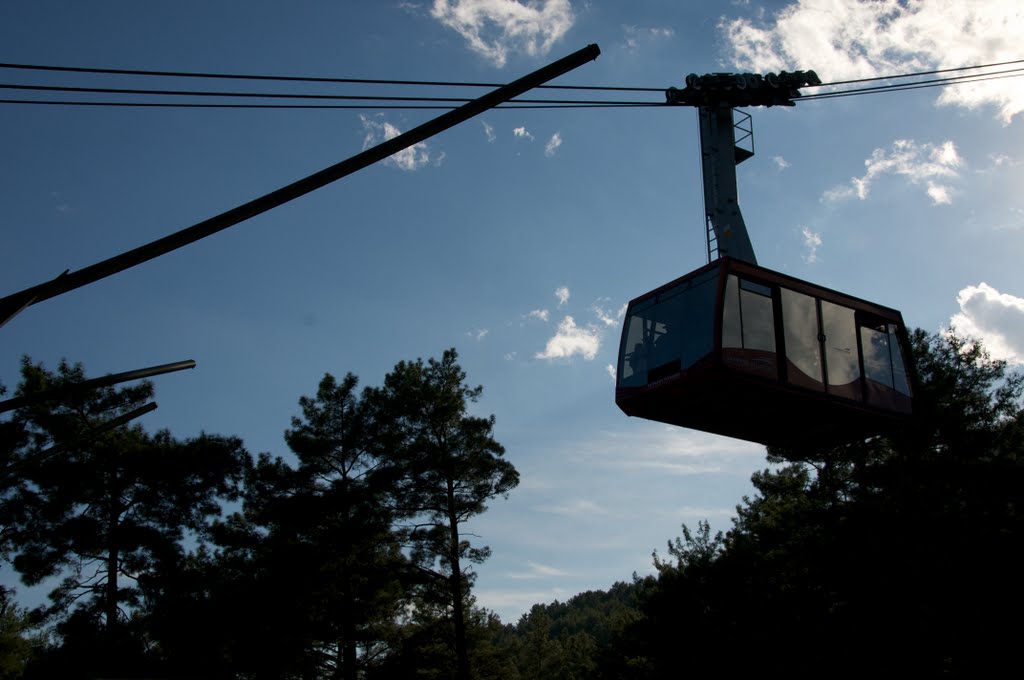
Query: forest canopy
point(348, 557)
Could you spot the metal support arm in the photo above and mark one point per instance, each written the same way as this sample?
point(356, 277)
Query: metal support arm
point(714, 95)
point(718, 154)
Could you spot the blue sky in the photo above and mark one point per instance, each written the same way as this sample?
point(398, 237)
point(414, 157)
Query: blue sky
point(516, 237)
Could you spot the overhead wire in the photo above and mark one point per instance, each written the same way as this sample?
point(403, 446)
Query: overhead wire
point(358, 107)
point(306, 79)
point(920, 73)
point(917, 85)
point(274, 95)
point(385, 102)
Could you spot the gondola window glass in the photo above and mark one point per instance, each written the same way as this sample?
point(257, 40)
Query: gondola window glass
point(669, 332)
point(900, 379)
point(662, 343)
point(758, 316)
point(803, 349)
point(843, 366)
point(747, 318)
point(877, 358)
point(632, 364)
point(732, 330)
point(698, 316)
point(883, 360)
point(748, 324)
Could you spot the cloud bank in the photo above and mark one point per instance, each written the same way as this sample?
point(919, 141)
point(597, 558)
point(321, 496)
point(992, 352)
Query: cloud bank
point(917, 163)
point(997, 319)
point(847, 39)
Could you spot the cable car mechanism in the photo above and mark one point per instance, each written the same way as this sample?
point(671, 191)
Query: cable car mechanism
point(743, 351)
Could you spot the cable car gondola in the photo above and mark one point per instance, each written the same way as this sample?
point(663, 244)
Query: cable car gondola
point(739, 350)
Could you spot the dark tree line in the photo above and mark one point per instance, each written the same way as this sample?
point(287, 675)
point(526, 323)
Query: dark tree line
point(898, 556)
point(893, 556)
point(349, 562)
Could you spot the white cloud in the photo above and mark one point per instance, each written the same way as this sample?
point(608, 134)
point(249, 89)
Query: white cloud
point(844, 40)
point(610, 369)
point(478, 334)
point(536, 571)
point(489, 131)
point(541, 314)
point(516, 600)
point(605, 317)
point(496, 28)
point(412, 158)
point(575, 508)
point(997, 319)
point(917, 163)
point(522, 132)
point(635, 35)
point(510, 356)
point(562, 293)
point(1014, 223)
point(672, 450)
point(999, 160)
point(553, 144)
point(812, 241)
point(705, 513)
point(570, 340)
point(939, 194)
point(780, 162)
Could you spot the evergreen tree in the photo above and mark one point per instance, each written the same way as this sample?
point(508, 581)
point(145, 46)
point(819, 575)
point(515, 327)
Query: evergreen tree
point(447, 466)
point(345, 521)
point(106, 510)
point(308, 579)
point(897, 552)
point(16, 641)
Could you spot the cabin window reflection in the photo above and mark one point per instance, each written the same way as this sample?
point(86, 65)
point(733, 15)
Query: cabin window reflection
point(803, 349)
point(888, 384)
point(839, 328)
point(748, 327)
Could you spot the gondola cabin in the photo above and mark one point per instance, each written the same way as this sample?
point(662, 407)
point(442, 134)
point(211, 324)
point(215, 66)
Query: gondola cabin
point(742, 351)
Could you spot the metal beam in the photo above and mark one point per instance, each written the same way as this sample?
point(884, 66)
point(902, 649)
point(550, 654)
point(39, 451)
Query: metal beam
point(721, 196)
point(94, 383)
point(12, 304)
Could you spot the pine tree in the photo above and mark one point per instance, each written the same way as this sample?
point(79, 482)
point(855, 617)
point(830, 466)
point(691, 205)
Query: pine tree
point(448, 467)
point(106, 510)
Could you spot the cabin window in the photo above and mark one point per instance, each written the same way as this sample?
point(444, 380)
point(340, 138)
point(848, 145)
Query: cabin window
point(839, 330)
point(669, 332)
point(748, 327)
point(803, 348)
point(887, 382)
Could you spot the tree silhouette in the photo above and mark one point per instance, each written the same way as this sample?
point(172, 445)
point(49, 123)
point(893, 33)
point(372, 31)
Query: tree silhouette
point(340, 512)
point(447, 467)
point(896, 552)
point(106, 511)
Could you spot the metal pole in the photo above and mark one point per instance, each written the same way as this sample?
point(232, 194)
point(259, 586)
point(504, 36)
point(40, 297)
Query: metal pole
point(83, 438)
point(12, 304)
point(94, 383)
